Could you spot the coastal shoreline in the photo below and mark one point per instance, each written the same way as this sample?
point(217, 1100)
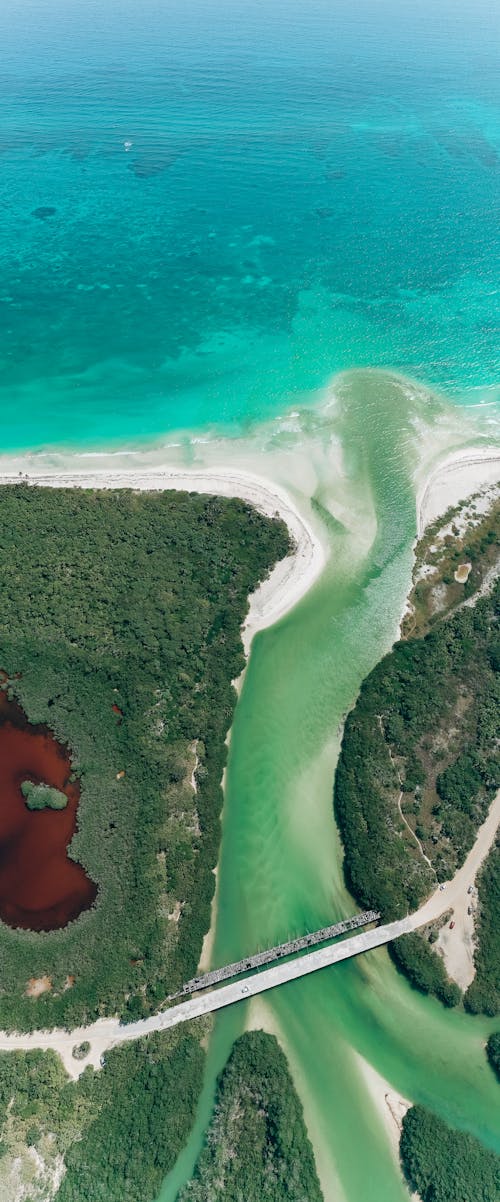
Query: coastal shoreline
point(454, 478)
point(438, 485)
point(290, 579)
point(388, 1102)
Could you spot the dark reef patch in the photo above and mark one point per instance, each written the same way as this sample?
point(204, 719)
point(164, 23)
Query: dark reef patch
point(43, 212)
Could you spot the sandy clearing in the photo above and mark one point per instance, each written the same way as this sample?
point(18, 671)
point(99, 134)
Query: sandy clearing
point(454, 896)
point(457, 945)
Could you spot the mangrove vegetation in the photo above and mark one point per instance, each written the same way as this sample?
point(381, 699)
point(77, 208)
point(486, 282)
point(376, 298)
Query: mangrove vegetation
point(444, 1165)
point(420, 763)
point(120, 617)
point(257, 1147)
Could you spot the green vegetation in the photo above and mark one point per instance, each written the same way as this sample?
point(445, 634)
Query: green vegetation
point(38, 1111)
point(419, 759)
point(462, 536)
point(81, 1050)
point(145, 1108)
point(420, 762)
point(423, 735)
point(424, 968)
point(493, 1052)
point(257, 1148)
point(120, 618)
point(444, 1165)
point(483, 995)
point(43, 797)
point(120, 1130)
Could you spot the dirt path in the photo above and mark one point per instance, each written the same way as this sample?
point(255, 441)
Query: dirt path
point(457, 946)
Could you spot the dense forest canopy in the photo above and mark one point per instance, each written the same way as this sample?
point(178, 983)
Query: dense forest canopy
point(257, 1147)
point(120, 616)
point(119, 1130)
point(420, 763)
point(483, 995)
point(422, 735)
point(493, 1052)
point(444, 1165)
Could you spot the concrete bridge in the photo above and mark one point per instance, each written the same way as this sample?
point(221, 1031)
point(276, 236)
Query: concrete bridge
point(207, 979)
point(107, 1032)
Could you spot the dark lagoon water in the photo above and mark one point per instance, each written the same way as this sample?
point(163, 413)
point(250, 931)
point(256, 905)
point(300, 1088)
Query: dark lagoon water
point(40, 887)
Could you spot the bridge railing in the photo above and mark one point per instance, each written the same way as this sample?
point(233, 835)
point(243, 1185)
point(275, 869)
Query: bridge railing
point(206, 980)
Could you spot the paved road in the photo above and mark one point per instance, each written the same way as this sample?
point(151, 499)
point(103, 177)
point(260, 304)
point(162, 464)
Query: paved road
point(107, 1032)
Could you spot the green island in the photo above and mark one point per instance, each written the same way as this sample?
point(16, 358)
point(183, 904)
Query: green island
point(444, 1165)
point(419, 764)
point(256, 1147)
point(493, 1052)
point(120, 617)
point(43, 797)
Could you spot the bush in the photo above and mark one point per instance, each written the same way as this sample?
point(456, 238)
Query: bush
point(257, 1147)
point(444, 1165)
point(493, 1052)
point(43, 797)
point(424, 968)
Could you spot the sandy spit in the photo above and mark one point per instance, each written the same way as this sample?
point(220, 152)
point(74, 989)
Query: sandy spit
point(454, 479)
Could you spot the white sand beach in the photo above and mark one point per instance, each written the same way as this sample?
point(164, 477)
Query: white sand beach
point(390, 1104)
point(454, 479)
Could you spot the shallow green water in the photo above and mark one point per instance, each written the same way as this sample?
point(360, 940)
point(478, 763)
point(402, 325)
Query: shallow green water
point(280, 867)
point(208, 209)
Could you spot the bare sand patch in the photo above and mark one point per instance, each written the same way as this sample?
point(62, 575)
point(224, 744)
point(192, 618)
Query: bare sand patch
point(38, 985)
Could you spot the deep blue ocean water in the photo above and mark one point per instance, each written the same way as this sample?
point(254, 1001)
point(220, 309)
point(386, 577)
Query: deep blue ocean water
point(209, 208)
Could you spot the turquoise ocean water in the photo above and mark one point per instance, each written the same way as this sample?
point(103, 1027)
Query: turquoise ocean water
point(207, 210)
point(210, 207)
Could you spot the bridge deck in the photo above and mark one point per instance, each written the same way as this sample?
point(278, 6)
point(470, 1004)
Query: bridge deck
point(206, 980)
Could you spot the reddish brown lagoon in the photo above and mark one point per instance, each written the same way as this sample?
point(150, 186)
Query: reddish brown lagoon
point(40, 888)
